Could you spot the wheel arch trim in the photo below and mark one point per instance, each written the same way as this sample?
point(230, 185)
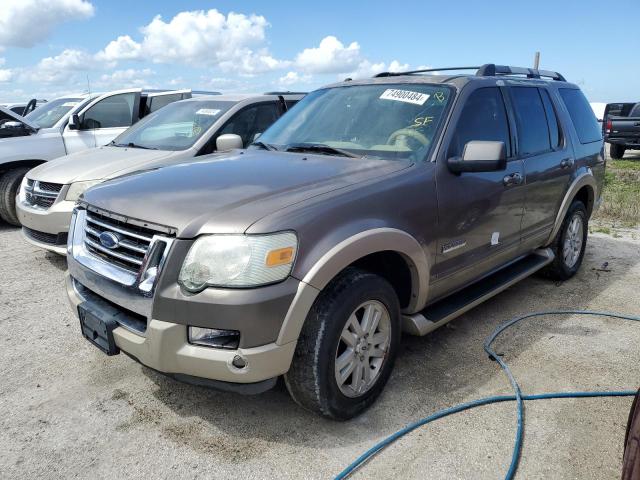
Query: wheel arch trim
point(344, 254)
point(585, 179)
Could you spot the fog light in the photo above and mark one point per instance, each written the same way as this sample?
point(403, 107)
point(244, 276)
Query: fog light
point(211, 337)
point(239, 362)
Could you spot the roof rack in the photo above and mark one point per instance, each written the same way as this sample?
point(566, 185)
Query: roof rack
point(486, 70)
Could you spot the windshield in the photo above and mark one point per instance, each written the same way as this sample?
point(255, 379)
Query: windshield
point(47, 115)
point(392, 122)
point(174, 127)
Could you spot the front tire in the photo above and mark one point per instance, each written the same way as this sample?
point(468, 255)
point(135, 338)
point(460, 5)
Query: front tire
point(9, 185)
point(617, 151)
point(347, 347)
point(570, 243)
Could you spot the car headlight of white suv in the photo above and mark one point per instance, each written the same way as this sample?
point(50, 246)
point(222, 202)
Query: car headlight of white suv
point(238, 260)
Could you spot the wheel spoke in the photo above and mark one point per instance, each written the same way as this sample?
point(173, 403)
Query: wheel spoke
point(377, 352)
point(366, 371)
point(355, 325)
point(367, 317)
point(344, 359)
point(356, 382)
point(380, 338)
point(349, 338)
point(347, 371)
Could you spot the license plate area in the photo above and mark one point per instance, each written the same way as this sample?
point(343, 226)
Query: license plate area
point(97, 325)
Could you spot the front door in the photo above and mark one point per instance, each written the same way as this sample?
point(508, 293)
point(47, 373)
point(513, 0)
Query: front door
point(103, 120)
point(479, 214)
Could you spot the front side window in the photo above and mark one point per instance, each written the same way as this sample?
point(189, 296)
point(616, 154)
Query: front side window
point(387, 121)
point(175, 127)
point(582, 116)
point(483, 117)
point(50, 113)
point(113, 111)
point(531, 120)
point(251, 121)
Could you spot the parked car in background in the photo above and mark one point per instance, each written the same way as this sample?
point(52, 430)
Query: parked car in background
point(179, 132)
point(373, 206)
point(622, 128)
point(68, 125)
point(23, 108)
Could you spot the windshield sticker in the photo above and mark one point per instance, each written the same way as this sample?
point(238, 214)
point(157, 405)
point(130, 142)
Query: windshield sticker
point(407, 96)
point(70, 104)
point(421, 121)
point(439, 96)
point(208, 111)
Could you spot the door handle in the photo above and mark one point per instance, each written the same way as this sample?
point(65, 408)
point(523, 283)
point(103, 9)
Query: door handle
point(566, 163)
point(513, 179)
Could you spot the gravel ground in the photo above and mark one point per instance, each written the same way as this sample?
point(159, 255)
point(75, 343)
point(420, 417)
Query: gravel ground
point(68, 411)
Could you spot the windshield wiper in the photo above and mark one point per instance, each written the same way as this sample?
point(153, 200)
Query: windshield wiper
point(131, 145)
point(319, 148)
point(264, 146)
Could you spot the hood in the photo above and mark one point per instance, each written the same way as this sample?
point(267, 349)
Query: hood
point(227, 193)
point(6, 114)
point(98, 163)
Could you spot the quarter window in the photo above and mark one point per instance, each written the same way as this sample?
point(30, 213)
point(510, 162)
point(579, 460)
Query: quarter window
point(483, 118)
point(114, 111)
point(582, 116)
point(531, 120)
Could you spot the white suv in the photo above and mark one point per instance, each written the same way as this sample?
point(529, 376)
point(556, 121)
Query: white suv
point(67, 125)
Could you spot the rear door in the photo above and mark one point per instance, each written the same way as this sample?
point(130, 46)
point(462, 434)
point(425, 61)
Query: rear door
point(547, 158)
point(479, 214)
point(103, 120)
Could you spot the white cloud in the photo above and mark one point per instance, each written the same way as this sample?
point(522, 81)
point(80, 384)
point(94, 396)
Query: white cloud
point(368, 69)
point(61, 68)
point(126, 78)
point(293, 78)
point(6, 75)
point(24, 23)
point(234, 43)
point(331, 56)
point(123, 48)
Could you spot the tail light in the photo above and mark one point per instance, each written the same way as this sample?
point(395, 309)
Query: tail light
point(609, 126)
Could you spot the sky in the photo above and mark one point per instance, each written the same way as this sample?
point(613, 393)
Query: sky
point(50, 48)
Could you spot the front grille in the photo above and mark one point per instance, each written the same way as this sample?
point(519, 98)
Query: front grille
point(41, 194)
point(131, 246)
point(48, 238)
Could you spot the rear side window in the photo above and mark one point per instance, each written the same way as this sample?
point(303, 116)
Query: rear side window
point(555, 134)
point(582, 115)
point(483, 118)
point(531, 120)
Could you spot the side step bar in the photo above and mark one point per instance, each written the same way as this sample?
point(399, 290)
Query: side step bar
point(445, 310)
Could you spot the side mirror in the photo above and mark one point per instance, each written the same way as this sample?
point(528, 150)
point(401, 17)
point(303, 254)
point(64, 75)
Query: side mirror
point(480, 156)
point(228, 141)
point(74, 122)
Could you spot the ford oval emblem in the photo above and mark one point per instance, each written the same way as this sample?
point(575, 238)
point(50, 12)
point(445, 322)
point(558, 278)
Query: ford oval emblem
point(109, 240)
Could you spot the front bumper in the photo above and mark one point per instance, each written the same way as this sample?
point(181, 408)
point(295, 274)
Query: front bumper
point(164, 347)
point(46, 223)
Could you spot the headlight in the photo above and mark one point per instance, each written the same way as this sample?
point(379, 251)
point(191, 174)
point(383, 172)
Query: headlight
point(76, 189)
point(238, 260)
point(22, 193)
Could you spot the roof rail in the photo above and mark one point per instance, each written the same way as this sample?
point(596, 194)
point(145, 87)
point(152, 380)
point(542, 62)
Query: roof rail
point(492, 70)
point(285, 93)
point(486, 70)
point(424, 70)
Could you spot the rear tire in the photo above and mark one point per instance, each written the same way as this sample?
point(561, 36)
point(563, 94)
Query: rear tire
point(617, 151)
point(9, 185)
point(570, 244)
point(339, 368)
